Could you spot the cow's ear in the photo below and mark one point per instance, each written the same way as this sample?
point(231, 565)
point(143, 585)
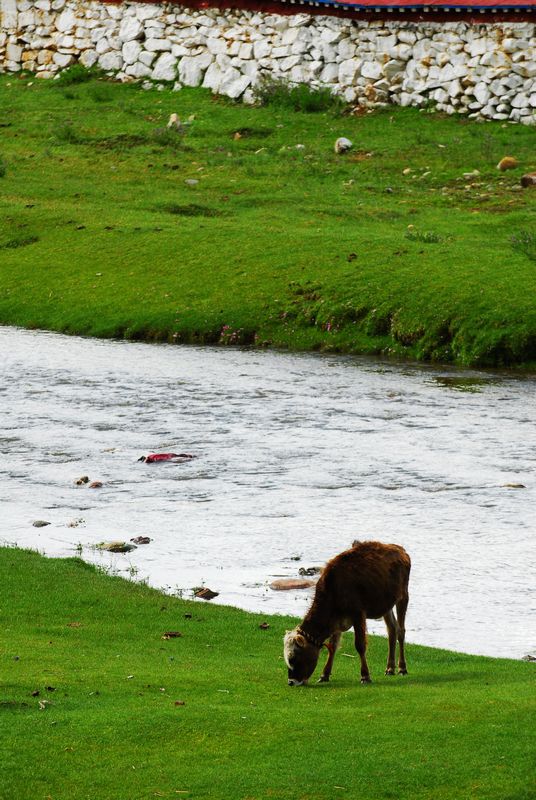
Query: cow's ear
point(300, 640)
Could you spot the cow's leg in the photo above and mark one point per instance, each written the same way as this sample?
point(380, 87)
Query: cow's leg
point(390, 621)
point(332, 644)
point(360, 636)
point(401, 608)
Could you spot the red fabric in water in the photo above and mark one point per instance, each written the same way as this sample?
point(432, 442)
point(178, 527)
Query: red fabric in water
point(165, 457)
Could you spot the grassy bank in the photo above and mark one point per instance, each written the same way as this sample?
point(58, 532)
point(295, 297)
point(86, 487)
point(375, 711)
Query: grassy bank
point(112, 226)
point(95, 704)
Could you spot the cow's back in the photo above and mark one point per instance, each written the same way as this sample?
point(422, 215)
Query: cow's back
point(371, 576)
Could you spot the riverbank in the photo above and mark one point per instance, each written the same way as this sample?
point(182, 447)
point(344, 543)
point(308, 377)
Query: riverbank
point(115, 710)
point(248, 229)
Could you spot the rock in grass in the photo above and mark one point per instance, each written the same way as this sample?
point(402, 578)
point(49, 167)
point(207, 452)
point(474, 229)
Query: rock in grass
point(528, 180)
point(308, 571)
point(508, 162)
point(116, 547)
point(343, 145)
point(205, 594)
point(286, 584)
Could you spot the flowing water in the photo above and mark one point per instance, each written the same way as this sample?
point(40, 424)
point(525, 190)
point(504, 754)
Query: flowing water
point(296, 456)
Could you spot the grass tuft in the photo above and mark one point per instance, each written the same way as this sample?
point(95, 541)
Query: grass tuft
point(298, 97)
point(426, 237)
point(525, 242)
point(75, 74)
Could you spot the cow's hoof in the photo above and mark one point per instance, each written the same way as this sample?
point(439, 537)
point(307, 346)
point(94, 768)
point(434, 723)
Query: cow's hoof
point(389, 671)
point(323, 679)
point(366, 679)
point(402, 671)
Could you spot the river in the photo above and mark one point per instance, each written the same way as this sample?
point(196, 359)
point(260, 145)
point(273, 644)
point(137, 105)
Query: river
point(296, 456)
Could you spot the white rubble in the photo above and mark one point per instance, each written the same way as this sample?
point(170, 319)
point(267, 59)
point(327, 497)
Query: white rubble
point(486, 70)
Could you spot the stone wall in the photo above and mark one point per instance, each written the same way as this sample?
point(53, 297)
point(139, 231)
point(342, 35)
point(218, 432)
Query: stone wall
point(486, 70)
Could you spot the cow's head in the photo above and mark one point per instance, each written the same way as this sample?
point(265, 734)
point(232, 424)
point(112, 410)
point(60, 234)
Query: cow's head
point(301, 657)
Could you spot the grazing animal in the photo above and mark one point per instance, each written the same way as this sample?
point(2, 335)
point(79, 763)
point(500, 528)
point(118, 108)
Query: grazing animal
point(365, 582)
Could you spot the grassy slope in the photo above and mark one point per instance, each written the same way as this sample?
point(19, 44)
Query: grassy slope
point(291, 247)
point(457, 727)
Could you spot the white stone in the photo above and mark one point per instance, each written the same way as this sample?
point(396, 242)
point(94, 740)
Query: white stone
point(330, 73)
point(385, 43)
point(300, 74)
point(130, 28)
point(216, 46)
point(131, 52)
point(233, 84)
point(89, 58)
point(290, 36)
point(179, 50)
point(13, 52)
point(62, 59)
point(9, 14)
point(157, 45)
point(144, 11)
point(346, 49)
point(288, 63)
point(261, 49)
point(111, 61)
point(407, 37)
point(392, 68)
point(281, 51)
point(165, 68)
point(246, 51)
point(66, 21)
point(102, 46)
point(371, 69)
point(520, 101)
point(138, 70)
point(331, 36)
point(213, 77)
point(482, 93)
point(347, 71)
point(26, 18)
point(191, 69)
point(401, 52)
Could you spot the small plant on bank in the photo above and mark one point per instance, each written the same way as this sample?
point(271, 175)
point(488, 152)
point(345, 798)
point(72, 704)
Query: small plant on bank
point(3, 168)
point(164, 137)
point(101, 93)
point(66, 133)
point(427, 237)
point(297, 97)
point(18, 241)
point(76, 73)
point(525, 242)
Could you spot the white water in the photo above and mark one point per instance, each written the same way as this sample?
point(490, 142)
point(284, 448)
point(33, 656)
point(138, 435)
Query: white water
point(297, 455)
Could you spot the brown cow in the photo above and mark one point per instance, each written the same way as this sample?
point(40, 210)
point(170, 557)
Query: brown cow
point(367, 581)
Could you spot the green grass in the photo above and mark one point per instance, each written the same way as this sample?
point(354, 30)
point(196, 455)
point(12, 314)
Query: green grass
point(121, 229)
point(105, 723)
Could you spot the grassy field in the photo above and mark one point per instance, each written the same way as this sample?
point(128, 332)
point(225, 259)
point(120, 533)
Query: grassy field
point(250, 229)
point(95, 704)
